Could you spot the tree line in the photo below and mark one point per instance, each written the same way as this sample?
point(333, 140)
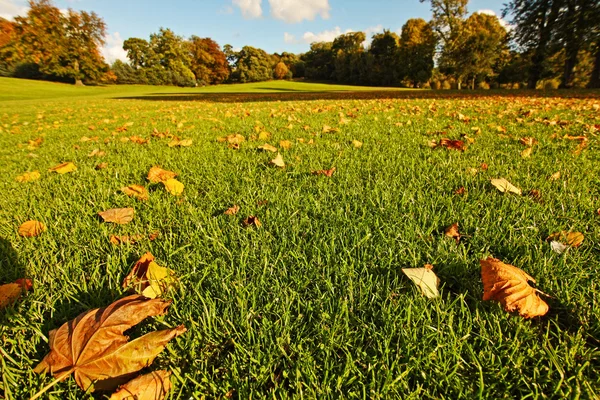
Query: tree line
point(549, 43)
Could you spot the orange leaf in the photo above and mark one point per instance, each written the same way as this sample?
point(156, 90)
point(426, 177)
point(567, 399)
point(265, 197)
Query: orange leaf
point(137, 191)
point(117, 240)
point(326, 172)
point(31, 228)
point(508, 285)
point(101, 166)
point(232, 210)
point(252, 221)
point(573, 239)
point(10, 292)
point(94, 347)
point(285, 144)
point(152, 386)
point(157, 174)
point(452, 144)
point(452, 232)
point(63, 168)
point(118, 215)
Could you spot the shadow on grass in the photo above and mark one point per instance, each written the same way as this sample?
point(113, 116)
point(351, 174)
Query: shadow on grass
point(11, 268)
point(299, 95)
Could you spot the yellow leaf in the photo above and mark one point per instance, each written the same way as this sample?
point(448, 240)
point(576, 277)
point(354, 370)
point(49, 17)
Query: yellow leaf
point(285, 144)
point(264, 136)
point(118, 215)
point(173, 186)
point(268, 147)
point(29, 176)
point(31, 229)
point(63, 168)
point(425, 279)
point(278, 161)
point(157, 174)
point(555, 176)
point(505, 186)
point(160, 279)
point(137, 191)
point(151, 386)
point(357, 144)
point(573, 239)
point(527, 152)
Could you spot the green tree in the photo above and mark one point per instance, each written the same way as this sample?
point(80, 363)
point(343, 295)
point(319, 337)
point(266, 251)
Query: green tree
point(139, 52)
point(384, 62)
point(417, 51)
point(252, 65)
point(348, 50)
point(319, 61)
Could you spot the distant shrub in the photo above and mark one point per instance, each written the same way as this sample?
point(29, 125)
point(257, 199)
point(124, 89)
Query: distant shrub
point(551, 84)
point(483, 85)
point(436, 85)
point(446, 85)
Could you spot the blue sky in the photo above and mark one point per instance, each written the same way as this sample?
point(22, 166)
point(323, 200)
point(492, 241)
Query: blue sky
point(273, 25)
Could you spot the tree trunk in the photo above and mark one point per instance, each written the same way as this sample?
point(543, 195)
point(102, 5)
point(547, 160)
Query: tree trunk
point(78, 81)
point(595, 77)
point(549, 15)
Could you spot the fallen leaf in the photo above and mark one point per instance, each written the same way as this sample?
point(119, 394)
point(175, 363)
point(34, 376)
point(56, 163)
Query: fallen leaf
point(31, 228)
point(63, 168)
point(357, 144)
point(452, 232)
point(97, 153)
point(152, 386)
point(326, 172)
point(505, 186)
point(460, 191)
point(138, 140)
point(137, 191)
point(180, 143)
point(148, 278)
point(528, 141)
point(573, 239)
point(484, 167)
point(535, 194)
point(10, 292)
point(118, 240)
point(232, 210)
point(555, 176)
point(268, 147)
point(278, 161)
point(264, 136)
point(558, 247)
point(94, 347)
point(452, 144)
point(174, 187)
point(101, 166)
point(509, 286)
point(157, 174)
point(232, 139)
point(425, 279)
point(153, 236)
point(527, 152)
point(285, 144)
point(252, 221)
point(28, 176)
point(118, 215)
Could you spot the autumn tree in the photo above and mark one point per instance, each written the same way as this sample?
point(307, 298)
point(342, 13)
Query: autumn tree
point(207, 61)
point(280, 71)
point(418, 43)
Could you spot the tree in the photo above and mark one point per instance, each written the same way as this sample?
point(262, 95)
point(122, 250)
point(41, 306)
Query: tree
point(252, 65)
point(347, 50)
point(319, 61)
point(281, 71)
point(595, 39)
point(384, 50)
point(534, 23)
point(139, 53)
point(417, 51)
point(207, 61)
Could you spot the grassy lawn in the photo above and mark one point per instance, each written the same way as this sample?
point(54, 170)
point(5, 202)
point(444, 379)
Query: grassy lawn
point(313, 304)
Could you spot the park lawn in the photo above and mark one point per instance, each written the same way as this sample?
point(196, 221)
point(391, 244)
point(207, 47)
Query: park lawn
point(313, 303)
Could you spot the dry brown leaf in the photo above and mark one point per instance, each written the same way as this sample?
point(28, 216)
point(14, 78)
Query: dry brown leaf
point(278, 161)
point(101, 166)
point(94, 347)
point(509, 286)
point(527, 152)
point(528, 141)
point(157, 174)
point(29, 176)
point(63, 168)
point(505, 186)
point(232, 210)
point(118, 215)
point(452, 232)
point(285, 144)
point(268, 147)
point(10, 292)
point(31, 228)
point(252, 221)
point(138, 140)
point(174, 187)
point(97, 153)
point(148, 278)
point(326, 172)
point(450, 144)
point(118, 240)
point(460, 191)
point(152, 386)
point(137, 191)
point(232, 139)
point(573, 239)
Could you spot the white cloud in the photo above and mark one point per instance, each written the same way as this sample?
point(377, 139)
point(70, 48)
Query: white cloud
point(293, 11)
point(369, 32)
point(250, 8)
point(505, 24)
point(325, 36)
point(11, 8)
point(113, 48)
point(289, 38)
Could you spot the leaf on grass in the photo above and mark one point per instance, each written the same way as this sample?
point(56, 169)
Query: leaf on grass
point(528, 141)
point(460, 191)
point(527, 152)
point(425, 279)
point(555, 176)
point(118, 240)
point(152, 386)
point(97, 153)
point(268, 147)
point(251, 220)
point(94, 347)
point(157, 175)
point(150, 279)
point(174, 187)
point(285, 144)
point(63, 168)
point(558, 247)
point(452, 144)
point(180, 143)
point(28, 176)
point(232, 210)
point(118, 215)
point(138, 140)
point(452, 232)
point(357, 144)
point(232, 139)
point(137, 191)
point(101, 166)
point(11, 292)
point(31, 228)
point(278, 161)
point(572, 239)
point(509, 286)
point(505, 186)
point(326, 172)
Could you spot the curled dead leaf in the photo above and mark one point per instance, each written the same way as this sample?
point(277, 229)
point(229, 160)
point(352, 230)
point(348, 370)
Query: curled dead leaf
point(505, 186)
point(527, 152)
point(157, 175)
point(278, 161)
point(150, 279)
point(285, 144)
point(326, 172)
point(137, 191)
point(118, 215)
point(232, 210)
point(252, 221)
point(118, 240)
point(268, 147)
point(152, 386)
point(509, 286)
point(31, 229)
point(452, 232)
point(573, 239)
point(11, 292)
point(101, 166)
point(63, 168)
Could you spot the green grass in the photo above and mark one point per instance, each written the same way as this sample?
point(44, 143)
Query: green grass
point(313, 304)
